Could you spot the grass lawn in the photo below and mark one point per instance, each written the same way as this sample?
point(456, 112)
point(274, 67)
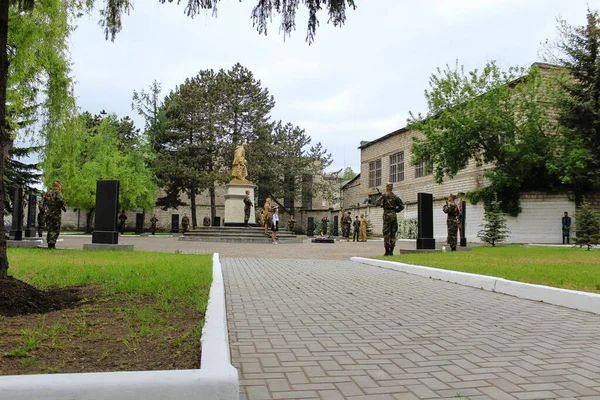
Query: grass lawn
point(140, 311)
point(568, 268)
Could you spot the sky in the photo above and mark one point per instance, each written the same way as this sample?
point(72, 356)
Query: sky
point(355, 83)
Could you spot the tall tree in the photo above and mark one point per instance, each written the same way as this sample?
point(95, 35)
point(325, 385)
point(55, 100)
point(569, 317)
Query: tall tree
point(577, 49)
point(189, 150)
point(111, 21)
point(494, 118)
point(284, 158)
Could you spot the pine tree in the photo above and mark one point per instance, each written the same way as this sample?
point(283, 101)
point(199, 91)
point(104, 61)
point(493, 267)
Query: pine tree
point(19, 173)
point(578, 157)
point(588, 226)
point(494, 229)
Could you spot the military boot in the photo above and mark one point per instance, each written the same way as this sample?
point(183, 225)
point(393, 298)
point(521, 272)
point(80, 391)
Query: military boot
point(391, 251)
point(387, 251)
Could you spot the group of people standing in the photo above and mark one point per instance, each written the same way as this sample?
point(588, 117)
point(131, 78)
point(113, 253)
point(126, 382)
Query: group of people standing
point(359, 227)
point(268, 217)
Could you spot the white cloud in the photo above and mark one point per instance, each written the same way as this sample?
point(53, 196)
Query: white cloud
point(354, 83)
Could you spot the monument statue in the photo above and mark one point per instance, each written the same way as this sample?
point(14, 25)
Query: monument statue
point(239, 170)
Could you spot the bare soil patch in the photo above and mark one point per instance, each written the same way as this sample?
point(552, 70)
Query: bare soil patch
point(100, 333)
point(20, 298)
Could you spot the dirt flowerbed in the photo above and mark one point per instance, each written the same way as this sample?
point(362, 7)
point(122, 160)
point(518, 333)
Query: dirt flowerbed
point(93, 312)
point(100, 334)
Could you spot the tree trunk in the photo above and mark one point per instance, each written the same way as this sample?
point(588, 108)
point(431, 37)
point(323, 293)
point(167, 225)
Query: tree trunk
point(88, 221)
point(5, 141)
point(193, 205)
point(213, 206)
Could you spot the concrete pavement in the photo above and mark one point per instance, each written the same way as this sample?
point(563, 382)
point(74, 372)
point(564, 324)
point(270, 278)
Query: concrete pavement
point(333, 329)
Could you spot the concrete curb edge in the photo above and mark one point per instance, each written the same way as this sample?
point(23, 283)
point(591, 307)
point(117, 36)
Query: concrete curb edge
point(218, 379)
point(582, 301)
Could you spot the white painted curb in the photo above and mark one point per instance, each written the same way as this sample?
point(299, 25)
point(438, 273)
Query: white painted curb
point(216, 379)
point(561, 297)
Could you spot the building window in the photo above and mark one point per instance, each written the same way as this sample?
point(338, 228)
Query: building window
point(423, 168)
point(307, 195)
point(375, 173)
point(397, 167)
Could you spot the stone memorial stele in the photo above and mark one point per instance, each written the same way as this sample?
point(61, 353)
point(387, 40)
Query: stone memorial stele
point(463, 225)
point(107, 211)
point(16, 231)
point(174, 223)
point(236, 190)
point(425, 238)
point(139, 223)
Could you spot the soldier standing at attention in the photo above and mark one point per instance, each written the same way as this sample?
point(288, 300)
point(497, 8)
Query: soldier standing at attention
point(122, 219)
point(206, 220)
point(41, 214)
point(153, 222)
point(247, 205)
point(55, 205)
point(291, 223)
point(185, 223)
point(452, 220)
point(391, 205)
point(346, 224)
point(356, 226)
point(324, 222)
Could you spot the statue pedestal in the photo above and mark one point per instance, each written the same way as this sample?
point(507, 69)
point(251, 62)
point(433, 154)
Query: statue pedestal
point(234, 203)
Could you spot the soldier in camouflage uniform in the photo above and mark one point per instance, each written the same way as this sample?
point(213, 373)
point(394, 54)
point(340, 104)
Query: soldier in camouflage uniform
point(54, 205)
point(452, 220)
point(185, 223)
point(346, 224)
point(153, 222)
point(391, 205)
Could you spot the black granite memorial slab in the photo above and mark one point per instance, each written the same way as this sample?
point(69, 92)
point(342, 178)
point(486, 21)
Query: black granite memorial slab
point(174, 223)
point(16, 231)
point(463, 222)
point(107, 211)
point(335, 225)
point(425, 238)
point(139, 223)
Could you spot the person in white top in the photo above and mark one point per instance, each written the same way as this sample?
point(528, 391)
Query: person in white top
point(275, 224)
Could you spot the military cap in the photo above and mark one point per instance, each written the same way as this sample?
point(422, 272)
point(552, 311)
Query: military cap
point(58, 182)
point(453, 196)
point(389, 185)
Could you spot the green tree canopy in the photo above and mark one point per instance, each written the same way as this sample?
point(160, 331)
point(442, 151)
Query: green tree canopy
point(86, 149)
point(494, 118)
point(348, 174)
point(111, 20)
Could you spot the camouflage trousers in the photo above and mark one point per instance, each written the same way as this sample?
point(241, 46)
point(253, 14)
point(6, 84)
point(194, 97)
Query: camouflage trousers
point(246, 215)
point(346, 231)
point(184, 227)
point(53, 226)
point(41, 223)
point(452, 231)
point(390, 228)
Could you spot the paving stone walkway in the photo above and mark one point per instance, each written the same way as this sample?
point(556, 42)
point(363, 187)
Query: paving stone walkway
point(311, 329)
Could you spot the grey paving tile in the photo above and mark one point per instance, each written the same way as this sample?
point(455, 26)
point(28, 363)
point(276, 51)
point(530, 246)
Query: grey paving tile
point(333, 329)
